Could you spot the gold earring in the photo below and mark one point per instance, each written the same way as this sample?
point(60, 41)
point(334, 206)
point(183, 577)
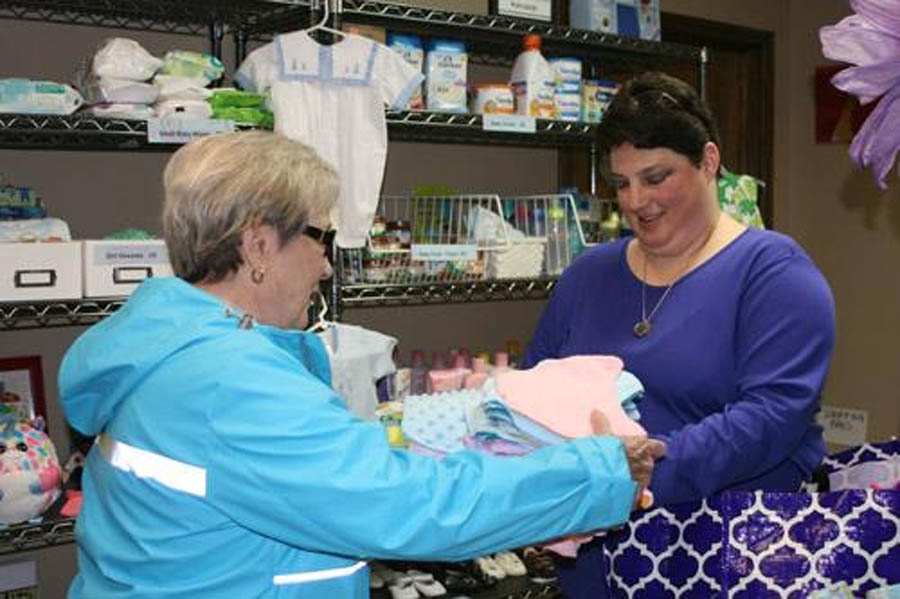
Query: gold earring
point(257, 275)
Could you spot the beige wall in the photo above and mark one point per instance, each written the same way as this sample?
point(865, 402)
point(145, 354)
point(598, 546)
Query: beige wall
point(851, 230)
point(849, 227)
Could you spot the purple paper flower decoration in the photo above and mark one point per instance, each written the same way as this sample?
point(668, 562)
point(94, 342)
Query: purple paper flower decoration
point(870, 41)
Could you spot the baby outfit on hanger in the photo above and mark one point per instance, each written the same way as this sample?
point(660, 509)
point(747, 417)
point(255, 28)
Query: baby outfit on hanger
point(358, 357)
point(332, 98)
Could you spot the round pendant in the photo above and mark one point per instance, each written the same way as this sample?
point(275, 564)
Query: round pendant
point(641, 328)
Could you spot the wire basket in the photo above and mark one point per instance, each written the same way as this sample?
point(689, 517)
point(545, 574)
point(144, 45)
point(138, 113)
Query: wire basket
point(550, 221)
point(428, 239)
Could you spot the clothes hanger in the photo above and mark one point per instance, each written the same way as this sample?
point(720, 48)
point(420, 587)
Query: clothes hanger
point(322, 26)
point(322, 323)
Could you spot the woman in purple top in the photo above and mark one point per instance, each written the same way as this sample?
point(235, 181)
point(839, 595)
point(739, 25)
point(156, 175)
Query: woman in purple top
point(730, 329)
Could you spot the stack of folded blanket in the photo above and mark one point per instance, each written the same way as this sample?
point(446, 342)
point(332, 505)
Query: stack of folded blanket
point(518, 411)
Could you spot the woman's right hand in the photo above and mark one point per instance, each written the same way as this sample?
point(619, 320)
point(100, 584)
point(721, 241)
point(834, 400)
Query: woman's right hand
point(641, 452)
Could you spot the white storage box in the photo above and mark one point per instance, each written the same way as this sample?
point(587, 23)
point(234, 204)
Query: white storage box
point(114, 267)
point(40, 271)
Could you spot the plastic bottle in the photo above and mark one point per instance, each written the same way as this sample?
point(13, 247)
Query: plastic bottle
point(513, 351)
point(533, 80)
point(557, 239)
point(501, 362)
point(479, 374)
point(418, 383)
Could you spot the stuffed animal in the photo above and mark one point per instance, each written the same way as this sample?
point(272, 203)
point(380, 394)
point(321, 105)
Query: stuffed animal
point(29, 471)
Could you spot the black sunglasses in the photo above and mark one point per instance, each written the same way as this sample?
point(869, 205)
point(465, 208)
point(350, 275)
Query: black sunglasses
point(325, 237)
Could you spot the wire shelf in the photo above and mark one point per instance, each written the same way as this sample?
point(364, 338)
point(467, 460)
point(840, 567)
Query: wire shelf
point(491, 30)
point(359, 296)
point(85, 132)
point(28, 536)
point(32, 315)
point(168, 16)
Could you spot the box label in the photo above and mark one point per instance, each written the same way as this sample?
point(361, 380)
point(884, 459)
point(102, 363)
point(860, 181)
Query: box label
point(444, 253)
point(180, 130)
point(540, 10)
point(130, 254)
point(509, 123)
point(843, 426)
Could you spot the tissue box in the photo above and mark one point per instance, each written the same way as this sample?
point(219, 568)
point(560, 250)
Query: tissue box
point(40, 271)
point(115, 267)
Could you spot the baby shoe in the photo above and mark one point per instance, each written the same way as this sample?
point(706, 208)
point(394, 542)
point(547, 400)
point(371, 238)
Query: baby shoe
point(489, 567)
point(510, 563)
point(539, 564)
point(426, 584)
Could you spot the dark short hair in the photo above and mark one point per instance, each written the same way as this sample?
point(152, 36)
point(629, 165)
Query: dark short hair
point(655, 110)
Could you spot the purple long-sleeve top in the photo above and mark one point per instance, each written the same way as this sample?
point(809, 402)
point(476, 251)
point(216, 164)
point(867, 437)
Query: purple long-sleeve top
point(733, 367)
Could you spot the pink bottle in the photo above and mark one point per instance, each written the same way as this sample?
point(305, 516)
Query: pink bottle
point(501, 362)
point(478, 376)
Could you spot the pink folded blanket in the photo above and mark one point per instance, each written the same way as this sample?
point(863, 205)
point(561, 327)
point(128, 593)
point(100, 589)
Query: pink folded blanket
point(561, 395)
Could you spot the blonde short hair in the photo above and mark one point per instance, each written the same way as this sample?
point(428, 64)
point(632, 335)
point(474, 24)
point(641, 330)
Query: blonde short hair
point(217, 186)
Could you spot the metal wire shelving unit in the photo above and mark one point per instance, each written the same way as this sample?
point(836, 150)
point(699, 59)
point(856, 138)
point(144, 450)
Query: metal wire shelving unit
point(28, 536)
point(77, 132)
point(46, 314)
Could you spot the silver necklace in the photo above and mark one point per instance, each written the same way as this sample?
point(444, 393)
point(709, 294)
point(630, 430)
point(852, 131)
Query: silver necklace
point(643, 326)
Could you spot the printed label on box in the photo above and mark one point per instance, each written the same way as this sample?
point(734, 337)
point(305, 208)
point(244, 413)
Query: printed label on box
point(131, 254)
point(843, 426)
point(529, 9)
point(509, 123)
point(431, 253)
point(180, 130)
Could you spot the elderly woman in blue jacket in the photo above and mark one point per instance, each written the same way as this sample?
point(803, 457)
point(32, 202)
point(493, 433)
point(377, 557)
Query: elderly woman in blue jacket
point(227, 467)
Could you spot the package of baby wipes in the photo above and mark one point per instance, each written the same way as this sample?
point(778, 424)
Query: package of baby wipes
point(38, 97)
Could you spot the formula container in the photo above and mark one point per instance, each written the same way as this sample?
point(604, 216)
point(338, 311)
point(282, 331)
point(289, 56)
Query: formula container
point(594, 15)
point(410, 48)
point(446, 66)
point(596, 95)
point(493, 98)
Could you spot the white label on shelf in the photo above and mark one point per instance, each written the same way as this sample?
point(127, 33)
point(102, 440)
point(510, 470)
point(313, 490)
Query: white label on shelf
point(444, 252)
point(18, 575)
point(509, 123)
point(529, 9)
point(130, 254)
point(180, 130)
point(843, 426)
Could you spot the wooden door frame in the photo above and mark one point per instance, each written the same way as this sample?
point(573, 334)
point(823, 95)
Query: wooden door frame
point(761, 45)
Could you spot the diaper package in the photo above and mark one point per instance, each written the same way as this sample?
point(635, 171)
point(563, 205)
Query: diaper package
point(184, 63)
point(118, 91)
point(446, 67)
point(38, 97)
point(139, 112)
point(123, 58)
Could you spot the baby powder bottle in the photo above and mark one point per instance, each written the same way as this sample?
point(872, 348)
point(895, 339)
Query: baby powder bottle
point(533, 81)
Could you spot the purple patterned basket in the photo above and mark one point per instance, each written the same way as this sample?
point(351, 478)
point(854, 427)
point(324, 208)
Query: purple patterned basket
point(762, 545)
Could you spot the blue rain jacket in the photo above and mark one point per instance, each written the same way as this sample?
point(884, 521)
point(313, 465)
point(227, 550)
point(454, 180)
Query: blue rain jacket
point(227, 467)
